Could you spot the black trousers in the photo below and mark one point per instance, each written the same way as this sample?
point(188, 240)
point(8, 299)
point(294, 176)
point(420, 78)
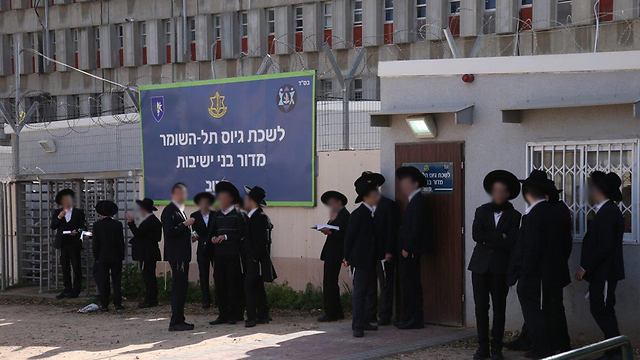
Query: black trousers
point(95, 272)
point(529, 293)
point(412, 298)
point(386, 279)
point(148, 272)
point(71, 258)
point(228, 281)
point(603, 311)
point(205, 264)
point(256, 298)
point(110, 271)
point(490, 286)
point(331, 289)
point(179, 288)
point(553, 309)
point(363, 280)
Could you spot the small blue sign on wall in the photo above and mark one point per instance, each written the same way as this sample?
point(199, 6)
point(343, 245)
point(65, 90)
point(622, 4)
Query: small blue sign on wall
point(439, 176)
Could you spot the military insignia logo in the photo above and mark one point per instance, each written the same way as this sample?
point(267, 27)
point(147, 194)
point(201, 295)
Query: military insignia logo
point(286, 98)
point(217, 109)
point(157, 107)
point(426, 168)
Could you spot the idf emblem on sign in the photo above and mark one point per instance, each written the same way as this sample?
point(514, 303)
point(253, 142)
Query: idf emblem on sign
point(217, 108)
point(286, 99)
point(157, 107)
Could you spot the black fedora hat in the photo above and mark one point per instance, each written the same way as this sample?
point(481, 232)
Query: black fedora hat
point(147, 204)
point(64, 192)
point(363, 189)
point(553, 193)
point(504, 177)
point(256, 193)
point(372, 177)
point(204, 195)
point(537, 178)
point(106, 208)
point(332, 194)
point(225, 186)
point(413, 173)
point(609, 184)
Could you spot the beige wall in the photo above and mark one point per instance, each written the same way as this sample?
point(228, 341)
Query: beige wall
point(296, 248)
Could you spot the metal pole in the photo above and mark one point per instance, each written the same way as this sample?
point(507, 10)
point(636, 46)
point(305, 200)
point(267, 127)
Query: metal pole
point(345, 114)
point(47, 44)
point(451, 42)
point(184, 26)
point(40, 226)
point(15, 137)
point(214, 51)
point(3, 256)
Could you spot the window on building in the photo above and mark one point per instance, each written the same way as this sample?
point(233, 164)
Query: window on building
point(73, 107)
point(52, 47)
point(454, 6)
point(388, 22)
point(121, 44)
point(74, 40)
point(192, 37)
point(143, 42)
point(13, 58)
point(299, 26)
point(489, 4)
point(166, 24)
point(95, 107)
point(421, 9)
point(526, 15)
point(357, 89)
point(454, 17)
point(327, 21)
point(357, 22)
point(326, 88)
point(117, 103)
point(271, 29)
point(217, 33)
point(32, 46)
point(96, 39)
point(564, 12)
point(605, 10)
point(244, 31)
point(569, 164)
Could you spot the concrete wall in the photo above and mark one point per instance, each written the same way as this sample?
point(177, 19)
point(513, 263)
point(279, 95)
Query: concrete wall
point(491, 144)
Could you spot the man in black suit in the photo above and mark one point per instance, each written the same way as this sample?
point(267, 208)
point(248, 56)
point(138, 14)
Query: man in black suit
point(413, 241)
point(69, 222)
point(177, 251)
point(227, 233)
point(495, 228)
point(602, 261)
point(360, 253)
point(333, 254)
point(257, 256)
point(202, 226)
point(387, 221)
point(109, 252)
point(537, 261)
point(145, 249)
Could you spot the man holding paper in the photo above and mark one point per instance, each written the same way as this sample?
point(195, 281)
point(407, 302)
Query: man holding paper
point(332, 253)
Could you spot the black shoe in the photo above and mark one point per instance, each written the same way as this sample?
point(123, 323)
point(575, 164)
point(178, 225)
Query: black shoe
point(358, 333)
point(411, 324)
point(218, 321)
point(249, 323)
point(481, 354)
point(144, 305)
point(384, 322)
point(72, 296)
point(497, 355)
point(104, 309)
point(206, 306)
point(186, 323)
point(398, 323)
point(518, 344)
point(327, 318)
point(181, 327)
point(231, 321)
point(62, 295)
point(264, 321)
point(119, 307)
point(369, 327)
point(373, 319)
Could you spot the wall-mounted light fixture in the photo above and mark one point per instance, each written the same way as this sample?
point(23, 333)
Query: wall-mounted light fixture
point(49, 146)
point(423, 126)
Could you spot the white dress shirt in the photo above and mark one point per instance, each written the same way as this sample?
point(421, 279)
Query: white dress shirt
point(252, 212)
point(67, 215)
point(496, 217)
point(181, 208)
point(414, 193)
point(600, 205)
point(371, 208)
point(206, 218)
point(227, 211)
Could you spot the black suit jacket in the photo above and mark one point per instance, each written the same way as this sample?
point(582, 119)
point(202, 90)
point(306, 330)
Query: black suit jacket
point(538, 251)
point(146, 239)
point(565, 237)
point(333, 249)
point(387, 220)
point(61, 225)
point(257, 241)
point(360, 239)
point(492, 249)
point(414, 230)
point(108, 241)
point(205, 247)
point(177, 236)
point(602, 257)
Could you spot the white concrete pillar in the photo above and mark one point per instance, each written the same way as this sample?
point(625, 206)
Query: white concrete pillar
point(204, 34)
point(342, 24)
point(312, 27)
point(625, 9)
point(507, 15)
point(257, 32)
point(403, 21)
point(20, 4)
point(132, 49)
point(437, 18)
point(230, 35)
point(284, 37)
point(156, 48)
point(86, 49)
point(582, 12)
point(545, 14)
point(109, 47)
point(182, 48)
point(471, 17)
point(372, 23)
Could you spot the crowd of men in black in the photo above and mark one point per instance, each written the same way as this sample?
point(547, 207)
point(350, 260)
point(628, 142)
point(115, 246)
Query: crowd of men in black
point(530, 250)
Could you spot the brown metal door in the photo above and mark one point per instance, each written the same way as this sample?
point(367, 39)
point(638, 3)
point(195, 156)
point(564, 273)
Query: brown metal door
point(443, 267)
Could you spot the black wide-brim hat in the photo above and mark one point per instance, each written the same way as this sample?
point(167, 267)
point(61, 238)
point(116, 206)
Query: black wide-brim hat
point(609, 184)
point(332, 194)
point(204, 195)
point(64, 192)
point(147, 204)
point(225, 186)
point(256, 193)
point(413, 173)
point(106, 208)
point(539, 179)
point(553, 193)
point(363, 189)
point(504, 177)
point(372, 177)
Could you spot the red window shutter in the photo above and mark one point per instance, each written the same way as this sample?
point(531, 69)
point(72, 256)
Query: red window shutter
point(388, 33)
point(328, 37)
point(357, 36)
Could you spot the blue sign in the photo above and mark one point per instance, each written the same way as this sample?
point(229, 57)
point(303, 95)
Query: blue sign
point(258, 130)
point(439, 176)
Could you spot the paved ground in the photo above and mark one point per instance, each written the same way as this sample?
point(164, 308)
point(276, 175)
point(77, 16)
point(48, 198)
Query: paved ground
point(44, 329)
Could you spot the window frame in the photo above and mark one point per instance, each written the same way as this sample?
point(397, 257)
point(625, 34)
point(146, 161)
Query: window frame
point(298, 18)
point(271, 21)
point(421, 6)
point(357, 12)
point(457, 10)
point(388, 10)
point(243, 19)
point(327, 17)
